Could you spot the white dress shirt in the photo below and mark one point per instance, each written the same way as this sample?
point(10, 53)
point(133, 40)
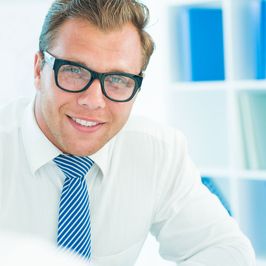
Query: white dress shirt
point(142, 181)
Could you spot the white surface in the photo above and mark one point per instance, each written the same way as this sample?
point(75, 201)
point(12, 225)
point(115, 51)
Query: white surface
point(25, 251)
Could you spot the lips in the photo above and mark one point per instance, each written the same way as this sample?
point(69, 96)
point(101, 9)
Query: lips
point(85, 123)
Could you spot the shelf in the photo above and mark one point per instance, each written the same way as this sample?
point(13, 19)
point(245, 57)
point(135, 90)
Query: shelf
point(215, 172)
point(199, 86)
point(251, 174)
point(234, 174)
point(248, 85)
point(239, 85)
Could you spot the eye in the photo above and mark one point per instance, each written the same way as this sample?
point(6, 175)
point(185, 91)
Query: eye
point(117, 79)
point(71, 69)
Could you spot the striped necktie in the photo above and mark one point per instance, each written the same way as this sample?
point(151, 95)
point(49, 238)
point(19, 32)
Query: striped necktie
point(74, 230)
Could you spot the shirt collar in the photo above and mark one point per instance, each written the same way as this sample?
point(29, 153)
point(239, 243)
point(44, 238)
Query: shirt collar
point(40, 151)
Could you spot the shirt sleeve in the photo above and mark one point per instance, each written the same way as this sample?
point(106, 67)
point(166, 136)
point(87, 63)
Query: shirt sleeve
point(191, 225)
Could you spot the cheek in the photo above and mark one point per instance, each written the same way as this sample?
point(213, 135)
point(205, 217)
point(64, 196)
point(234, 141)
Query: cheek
point(50, 93)
point(120, 112)
point(50, 100)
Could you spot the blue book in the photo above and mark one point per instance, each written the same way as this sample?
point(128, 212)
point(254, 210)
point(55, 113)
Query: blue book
point(200, 47)
point(220, 188)
point(259, 21)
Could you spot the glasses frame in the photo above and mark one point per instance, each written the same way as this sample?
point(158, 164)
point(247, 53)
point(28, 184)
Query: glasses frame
point(56, 63)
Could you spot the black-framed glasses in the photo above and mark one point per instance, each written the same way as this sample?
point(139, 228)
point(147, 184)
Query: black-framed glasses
point(74, 77)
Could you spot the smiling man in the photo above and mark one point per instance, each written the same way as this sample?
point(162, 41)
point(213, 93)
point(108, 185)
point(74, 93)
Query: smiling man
point(76, 171)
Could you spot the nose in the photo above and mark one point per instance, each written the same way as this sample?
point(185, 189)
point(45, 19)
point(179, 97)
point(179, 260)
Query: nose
point(92, 98)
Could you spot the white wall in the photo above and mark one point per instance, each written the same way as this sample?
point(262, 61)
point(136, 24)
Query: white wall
point(20, 23)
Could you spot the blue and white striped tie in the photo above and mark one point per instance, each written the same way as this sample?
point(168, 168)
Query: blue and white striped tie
point(74, 230)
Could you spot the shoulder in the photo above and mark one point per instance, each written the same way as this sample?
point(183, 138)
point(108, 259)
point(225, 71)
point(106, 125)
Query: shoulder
point(145, 128)
point(142, 135)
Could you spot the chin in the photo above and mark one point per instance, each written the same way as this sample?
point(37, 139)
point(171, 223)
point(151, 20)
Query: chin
point(80, 150)
point(83, 147)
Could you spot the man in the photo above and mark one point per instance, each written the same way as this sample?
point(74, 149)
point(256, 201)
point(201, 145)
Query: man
point(139, 177)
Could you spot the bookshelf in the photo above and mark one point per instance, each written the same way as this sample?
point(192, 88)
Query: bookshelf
point(211, 112)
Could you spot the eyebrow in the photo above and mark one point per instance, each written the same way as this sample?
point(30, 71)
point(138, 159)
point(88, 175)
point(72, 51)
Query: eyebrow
point(76, 61)
point(86, 66)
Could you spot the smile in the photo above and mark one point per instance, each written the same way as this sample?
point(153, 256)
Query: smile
point(85, 123)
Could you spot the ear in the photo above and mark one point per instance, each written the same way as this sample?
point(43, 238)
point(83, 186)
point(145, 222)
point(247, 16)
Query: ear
point(37, 70)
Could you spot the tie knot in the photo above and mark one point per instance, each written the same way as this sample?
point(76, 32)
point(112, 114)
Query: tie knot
point(73, 166)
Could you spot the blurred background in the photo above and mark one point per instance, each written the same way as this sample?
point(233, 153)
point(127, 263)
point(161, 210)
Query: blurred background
point(207, 78)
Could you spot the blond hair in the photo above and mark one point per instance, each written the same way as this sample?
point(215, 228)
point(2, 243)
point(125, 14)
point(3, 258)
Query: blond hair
point(107, 15)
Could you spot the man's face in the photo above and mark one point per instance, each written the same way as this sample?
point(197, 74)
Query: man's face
point(60, 114)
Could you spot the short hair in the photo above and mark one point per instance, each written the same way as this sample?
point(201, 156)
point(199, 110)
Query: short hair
point(107, 15)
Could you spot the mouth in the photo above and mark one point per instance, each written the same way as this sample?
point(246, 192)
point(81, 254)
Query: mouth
point(84, 123)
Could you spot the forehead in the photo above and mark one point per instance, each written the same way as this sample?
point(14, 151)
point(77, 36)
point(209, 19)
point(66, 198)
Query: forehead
point(118, 49)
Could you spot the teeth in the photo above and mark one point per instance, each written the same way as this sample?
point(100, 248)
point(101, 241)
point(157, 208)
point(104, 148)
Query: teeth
point(84, 122)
